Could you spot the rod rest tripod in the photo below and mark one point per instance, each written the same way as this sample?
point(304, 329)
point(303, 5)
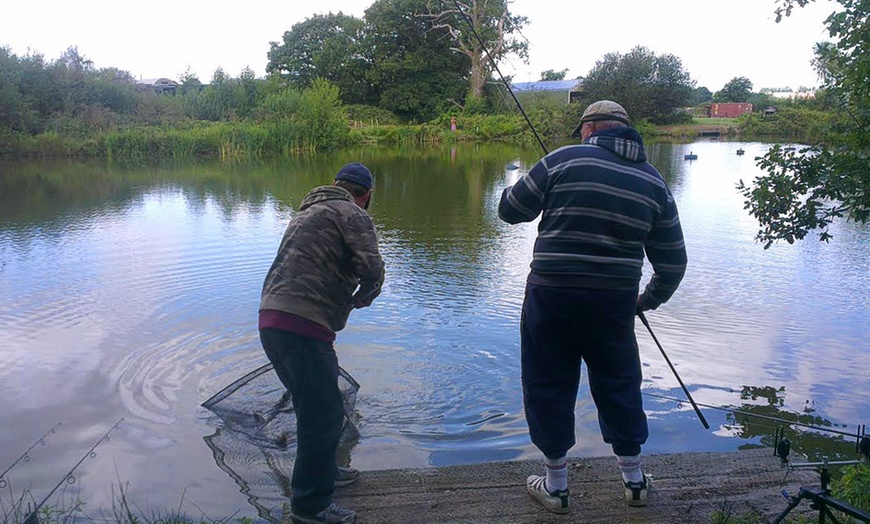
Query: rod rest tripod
point(820, 497)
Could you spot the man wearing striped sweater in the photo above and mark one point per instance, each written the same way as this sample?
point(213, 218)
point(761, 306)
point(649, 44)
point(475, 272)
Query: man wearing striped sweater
point(602, 207)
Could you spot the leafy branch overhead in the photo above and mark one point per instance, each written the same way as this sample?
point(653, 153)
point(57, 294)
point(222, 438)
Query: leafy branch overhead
point(807, 190)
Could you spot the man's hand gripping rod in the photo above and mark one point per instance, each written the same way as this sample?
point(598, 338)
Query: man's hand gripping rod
point(541, 143)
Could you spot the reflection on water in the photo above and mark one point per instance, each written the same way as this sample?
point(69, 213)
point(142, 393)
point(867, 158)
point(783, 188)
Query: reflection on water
point(133, 291)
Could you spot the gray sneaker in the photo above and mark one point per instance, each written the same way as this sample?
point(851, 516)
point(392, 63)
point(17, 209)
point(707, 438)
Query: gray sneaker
point(333, 513)
point(346, 477)
point(555, 502)
point(636, 492)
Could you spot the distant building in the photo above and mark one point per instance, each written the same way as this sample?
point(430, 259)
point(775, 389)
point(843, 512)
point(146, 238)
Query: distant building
point(570, 89)
point(729, 110)
point(158, 85)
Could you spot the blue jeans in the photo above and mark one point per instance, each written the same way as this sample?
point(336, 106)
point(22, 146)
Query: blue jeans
point(308, 368)
point(561, 327)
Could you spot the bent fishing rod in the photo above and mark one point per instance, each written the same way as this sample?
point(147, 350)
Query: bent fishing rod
point(546, 152)
point(26, 455)
point(32, 518)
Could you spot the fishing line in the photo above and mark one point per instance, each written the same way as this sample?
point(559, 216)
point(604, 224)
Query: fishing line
point(69, 478)
point(26, 455)
point(764, 417)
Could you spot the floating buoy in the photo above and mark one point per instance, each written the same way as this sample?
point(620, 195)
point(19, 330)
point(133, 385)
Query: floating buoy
point(690, 156)
point(740, 151)
point(511, 167)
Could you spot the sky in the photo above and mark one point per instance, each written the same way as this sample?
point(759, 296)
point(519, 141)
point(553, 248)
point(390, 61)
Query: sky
point(717, 40)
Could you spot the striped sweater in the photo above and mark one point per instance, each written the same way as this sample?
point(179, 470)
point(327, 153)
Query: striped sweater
point(602, 205)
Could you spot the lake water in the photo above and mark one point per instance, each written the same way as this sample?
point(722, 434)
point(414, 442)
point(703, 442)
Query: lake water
point(131, 293)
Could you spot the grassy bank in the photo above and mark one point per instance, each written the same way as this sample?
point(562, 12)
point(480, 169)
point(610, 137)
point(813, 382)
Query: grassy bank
point(307, 134)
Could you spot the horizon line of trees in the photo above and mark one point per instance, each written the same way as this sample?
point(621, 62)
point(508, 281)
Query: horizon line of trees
point(408, 58)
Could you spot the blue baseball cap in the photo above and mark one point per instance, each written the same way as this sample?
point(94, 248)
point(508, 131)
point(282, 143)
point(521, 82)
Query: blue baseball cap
point(357, 173)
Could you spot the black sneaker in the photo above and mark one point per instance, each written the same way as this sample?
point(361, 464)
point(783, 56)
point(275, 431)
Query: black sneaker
point(556, 501)
point(346, 477)
point(636, 492)
point(331, 514)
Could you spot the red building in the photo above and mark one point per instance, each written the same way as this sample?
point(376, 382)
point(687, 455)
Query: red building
point(729, 110)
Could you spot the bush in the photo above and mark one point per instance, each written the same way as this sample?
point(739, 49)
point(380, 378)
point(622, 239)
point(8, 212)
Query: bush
point(793, 122)
point(362, 115)
point(854, 486)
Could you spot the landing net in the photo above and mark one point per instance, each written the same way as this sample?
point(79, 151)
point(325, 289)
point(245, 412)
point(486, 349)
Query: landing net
point(258, 405)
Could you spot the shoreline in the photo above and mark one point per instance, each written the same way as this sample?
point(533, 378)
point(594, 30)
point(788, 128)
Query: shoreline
point(687, 487)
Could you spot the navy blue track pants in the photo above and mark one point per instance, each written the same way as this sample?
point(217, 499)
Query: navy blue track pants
point(308, 368)
point(562, 326)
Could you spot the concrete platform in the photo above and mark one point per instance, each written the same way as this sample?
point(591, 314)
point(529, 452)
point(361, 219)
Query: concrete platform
point(687, 488)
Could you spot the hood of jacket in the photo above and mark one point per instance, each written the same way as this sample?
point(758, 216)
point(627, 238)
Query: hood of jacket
point(624, 142)
point(324, 193)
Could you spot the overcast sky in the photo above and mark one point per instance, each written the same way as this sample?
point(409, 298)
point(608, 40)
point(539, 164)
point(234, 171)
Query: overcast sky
point(717, 40)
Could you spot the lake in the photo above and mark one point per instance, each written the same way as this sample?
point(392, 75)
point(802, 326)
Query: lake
point(130, 293)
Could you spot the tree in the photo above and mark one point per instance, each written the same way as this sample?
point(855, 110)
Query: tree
point(647, 85)
point(497, 27)
point(738, 89)
point(414, 67)
point(701, 95)
point(806, 190)
point(324, 46)
point(550, 74)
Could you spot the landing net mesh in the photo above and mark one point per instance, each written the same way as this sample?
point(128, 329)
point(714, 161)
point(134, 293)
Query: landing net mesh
point(258, 405)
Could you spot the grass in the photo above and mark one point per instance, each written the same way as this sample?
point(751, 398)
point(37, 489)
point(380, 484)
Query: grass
point(123, 511)
point(713, 121)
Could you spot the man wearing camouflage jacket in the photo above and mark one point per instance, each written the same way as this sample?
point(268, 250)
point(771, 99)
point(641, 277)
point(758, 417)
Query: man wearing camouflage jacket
point(327, 264)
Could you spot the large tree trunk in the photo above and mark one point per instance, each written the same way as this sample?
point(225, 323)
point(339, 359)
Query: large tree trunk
point(456, 23)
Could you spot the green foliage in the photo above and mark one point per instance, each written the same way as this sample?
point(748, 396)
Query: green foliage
point(806, 191)
point(794, 122)
point(328, 46)
point(322, 117)
point(361, 115)
point(738, 89)
point(395, 135)
point(494, 25)
point(787, 206)
point(647, 85)
point(550, 74)
point(280, 105)
point(474, 105)
point(700, 95)
point(854, 486)
point(415, 70)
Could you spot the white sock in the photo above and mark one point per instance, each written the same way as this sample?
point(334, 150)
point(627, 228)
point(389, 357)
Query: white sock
point(557, 474)
point(630, 468)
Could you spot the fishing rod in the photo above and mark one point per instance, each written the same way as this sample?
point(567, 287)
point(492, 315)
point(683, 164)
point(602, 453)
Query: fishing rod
point(32, 518)
point(685, 389)
point(26, 455)
point(497, 70)
point(544, 148)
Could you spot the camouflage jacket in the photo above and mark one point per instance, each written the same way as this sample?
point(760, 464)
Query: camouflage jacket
point(329, 248)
